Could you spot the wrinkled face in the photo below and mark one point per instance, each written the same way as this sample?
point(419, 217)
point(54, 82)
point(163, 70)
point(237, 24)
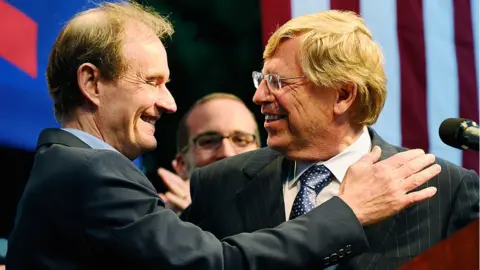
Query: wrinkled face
point(224, 117)
point(130, 106)
point(299, 116)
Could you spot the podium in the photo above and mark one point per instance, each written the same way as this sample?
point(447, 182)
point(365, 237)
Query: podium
point(460, 251)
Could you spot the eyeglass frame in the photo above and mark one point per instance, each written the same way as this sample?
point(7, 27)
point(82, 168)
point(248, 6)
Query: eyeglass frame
point(269, 77)
point(193, 142)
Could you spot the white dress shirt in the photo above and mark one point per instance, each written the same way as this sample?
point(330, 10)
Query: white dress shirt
point(338, 165)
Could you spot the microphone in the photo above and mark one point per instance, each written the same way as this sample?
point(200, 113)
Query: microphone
point(459, 133)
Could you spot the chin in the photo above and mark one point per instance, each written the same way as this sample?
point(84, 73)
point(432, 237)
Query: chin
point(277, 143)
point(148, 144)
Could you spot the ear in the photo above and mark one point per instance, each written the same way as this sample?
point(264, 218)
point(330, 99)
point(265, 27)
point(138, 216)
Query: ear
point(88, 76)
point(180, 165)
point(345, 98)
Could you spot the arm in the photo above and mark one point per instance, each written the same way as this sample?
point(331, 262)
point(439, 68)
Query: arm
point(195, 213)
point(125, 219)
point(465, 207)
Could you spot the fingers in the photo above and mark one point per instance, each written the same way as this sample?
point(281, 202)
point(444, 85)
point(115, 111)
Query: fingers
point(400, 159)
point(421, 195)
point(169, 176)
point(373, 156)
point(174, 183)
point(177, 202)
point(414, 165)
point(421, 177)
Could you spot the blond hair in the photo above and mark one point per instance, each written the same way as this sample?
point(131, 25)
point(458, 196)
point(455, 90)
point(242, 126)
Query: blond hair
point(336, 49)
point(95, 36)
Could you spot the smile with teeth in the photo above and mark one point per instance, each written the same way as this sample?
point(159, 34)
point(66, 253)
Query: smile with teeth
point(148, 119)
point(273, 117)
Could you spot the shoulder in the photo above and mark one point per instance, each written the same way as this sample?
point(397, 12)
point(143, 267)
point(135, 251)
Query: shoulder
point(82, 165)
point(451, 174)
point(236, 165)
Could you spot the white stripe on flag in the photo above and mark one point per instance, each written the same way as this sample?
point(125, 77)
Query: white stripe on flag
point(474, 6)
point(303, 7)
point(442, 73)
point(381, 17)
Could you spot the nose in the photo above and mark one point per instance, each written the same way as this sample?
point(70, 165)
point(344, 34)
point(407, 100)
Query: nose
point(225, 149)
point(262, 94)
point(166, 102)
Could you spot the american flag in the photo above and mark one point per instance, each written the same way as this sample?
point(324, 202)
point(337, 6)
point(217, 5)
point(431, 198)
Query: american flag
point(431, 61)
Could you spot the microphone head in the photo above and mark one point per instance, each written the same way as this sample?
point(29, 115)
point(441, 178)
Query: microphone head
point(450, 132)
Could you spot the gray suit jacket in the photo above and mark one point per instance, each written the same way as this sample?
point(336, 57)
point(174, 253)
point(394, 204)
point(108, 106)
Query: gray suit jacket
point(244, 194)
point(93, 209)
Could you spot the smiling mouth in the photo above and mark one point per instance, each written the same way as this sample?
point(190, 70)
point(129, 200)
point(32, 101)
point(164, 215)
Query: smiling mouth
point(148, 119)
point(274, 117)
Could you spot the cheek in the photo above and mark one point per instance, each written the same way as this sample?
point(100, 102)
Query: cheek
point(202, 158)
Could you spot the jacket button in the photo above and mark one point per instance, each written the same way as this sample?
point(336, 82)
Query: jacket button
point(348, 249)
point(326, 261)
point(341, 253)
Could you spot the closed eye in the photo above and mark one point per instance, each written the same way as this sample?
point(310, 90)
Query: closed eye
point(157, 82)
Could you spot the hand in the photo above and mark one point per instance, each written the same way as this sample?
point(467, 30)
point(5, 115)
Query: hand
point(178, 197)
point(377, 190)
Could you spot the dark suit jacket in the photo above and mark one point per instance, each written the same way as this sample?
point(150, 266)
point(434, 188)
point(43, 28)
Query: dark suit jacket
point(244, 193)
point(93, 209)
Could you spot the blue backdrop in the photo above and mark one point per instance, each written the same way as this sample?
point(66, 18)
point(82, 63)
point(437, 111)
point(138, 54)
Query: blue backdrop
point(25, 106)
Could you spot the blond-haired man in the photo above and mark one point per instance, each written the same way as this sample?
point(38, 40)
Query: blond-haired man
point(321, 87)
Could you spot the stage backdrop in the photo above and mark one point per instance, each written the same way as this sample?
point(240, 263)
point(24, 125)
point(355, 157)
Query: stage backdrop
point(431, 52)
point(27, 32)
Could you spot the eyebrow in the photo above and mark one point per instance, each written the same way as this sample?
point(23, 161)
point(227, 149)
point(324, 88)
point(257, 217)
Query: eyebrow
point(156, 78)
point(211, 132)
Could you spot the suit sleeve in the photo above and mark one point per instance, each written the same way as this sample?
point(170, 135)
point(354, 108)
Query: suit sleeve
point(196, 212)
point(125, 220)
point(466, 202)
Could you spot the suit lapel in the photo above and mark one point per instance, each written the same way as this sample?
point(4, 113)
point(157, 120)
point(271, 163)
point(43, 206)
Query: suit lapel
point(260, 203)
point(380, 233)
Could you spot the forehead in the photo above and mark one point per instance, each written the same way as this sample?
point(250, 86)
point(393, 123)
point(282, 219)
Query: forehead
point(285, 60)
point(220, 115)
point(144, 51)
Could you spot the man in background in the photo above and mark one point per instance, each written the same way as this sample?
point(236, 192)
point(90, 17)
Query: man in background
point(321, 88)
point(217, 126)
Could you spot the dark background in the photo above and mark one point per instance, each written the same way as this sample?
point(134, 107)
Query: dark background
point(216, 46)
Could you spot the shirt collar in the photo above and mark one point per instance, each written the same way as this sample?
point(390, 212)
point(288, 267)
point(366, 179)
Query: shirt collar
point(340, 163)
point(89, 139)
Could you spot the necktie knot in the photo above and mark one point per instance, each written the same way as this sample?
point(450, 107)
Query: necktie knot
point(316, 177)
point(312, 181)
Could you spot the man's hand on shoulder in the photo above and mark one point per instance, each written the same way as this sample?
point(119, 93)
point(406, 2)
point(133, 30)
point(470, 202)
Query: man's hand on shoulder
point(377, 190)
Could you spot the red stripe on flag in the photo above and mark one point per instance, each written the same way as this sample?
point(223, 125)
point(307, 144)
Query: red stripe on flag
point(18, 39)
point(467, 83)
point(352, 5)
point(275, 13)
point(413, 74)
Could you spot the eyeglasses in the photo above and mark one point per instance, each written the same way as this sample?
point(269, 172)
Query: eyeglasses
point(274, 81)
point(213, 140)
